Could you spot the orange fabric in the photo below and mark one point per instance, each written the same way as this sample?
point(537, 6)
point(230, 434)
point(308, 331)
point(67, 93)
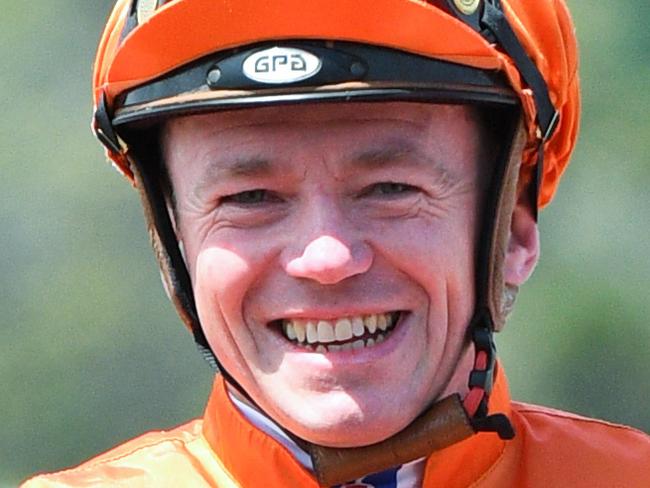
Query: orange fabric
point(185, 30)
point(551, 449)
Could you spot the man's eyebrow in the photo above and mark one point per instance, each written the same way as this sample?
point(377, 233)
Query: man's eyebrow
point(400, 153)
point(373, 158)
point(378, 157)
point(245, 166)
point(242, 167)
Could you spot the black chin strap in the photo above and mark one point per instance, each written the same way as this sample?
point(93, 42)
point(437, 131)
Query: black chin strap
point(170, 255)
point(481, 381)
point(496, 25)
point(491, 22)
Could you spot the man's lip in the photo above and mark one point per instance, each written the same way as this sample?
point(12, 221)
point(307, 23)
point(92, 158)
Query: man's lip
point(319, 314)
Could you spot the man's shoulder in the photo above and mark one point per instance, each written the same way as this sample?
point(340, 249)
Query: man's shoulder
point(570, 424)
point(150, 456)
point(579, 450)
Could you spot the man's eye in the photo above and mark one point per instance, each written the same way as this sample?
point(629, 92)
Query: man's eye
point(249, 197)
point(390, 188)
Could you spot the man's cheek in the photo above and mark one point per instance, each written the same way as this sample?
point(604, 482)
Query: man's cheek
point(222, 277)
point(416, 255)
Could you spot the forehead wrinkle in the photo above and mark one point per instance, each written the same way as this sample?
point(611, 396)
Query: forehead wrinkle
point(257, 165)
point(418, 116)
point(237, 121)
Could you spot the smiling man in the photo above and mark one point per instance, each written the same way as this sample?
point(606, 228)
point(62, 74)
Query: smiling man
point(317, 239)
point(343, 199)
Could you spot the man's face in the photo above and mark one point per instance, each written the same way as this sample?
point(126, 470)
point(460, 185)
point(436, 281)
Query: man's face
point(310, 229)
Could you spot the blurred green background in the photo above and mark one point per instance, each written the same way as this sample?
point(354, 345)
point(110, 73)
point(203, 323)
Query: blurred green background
point(91, 352)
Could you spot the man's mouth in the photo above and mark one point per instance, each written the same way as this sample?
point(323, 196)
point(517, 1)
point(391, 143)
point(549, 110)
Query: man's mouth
point(343, 334)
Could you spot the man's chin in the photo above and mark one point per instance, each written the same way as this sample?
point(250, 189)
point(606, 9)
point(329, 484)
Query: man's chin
point(344, 427)
point(346, 435)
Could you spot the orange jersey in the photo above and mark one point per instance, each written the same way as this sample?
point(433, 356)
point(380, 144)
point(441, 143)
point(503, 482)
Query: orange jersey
point(551, 449)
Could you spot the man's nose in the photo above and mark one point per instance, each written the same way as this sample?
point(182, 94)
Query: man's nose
point(328, 260)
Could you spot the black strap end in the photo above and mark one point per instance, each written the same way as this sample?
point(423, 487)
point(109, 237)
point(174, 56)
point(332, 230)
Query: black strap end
point(498, 423)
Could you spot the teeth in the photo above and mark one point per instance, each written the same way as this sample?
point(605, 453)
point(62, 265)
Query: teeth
point(312, 333)
point(357, 327)
point(325, 332)
point(360, 344)
point(344, 330)
point(371, 323)
point(382, 323)
point(290, 331)
point(319, 334)
point(299, 328)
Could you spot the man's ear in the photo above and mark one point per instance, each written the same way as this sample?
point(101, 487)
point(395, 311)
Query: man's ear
point(523, 245)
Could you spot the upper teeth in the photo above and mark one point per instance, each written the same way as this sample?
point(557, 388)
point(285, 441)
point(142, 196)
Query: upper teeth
point(340, 330)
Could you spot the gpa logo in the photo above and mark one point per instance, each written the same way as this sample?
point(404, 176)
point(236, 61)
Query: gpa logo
point(279, 65)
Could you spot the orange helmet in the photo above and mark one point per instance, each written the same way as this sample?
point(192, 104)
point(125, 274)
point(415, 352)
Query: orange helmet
point(531, 43)
point(162, 58)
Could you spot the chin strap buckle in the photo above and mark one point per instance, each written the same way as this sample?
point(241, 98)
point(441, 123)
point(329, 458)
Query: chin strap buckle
point(481, 381)
point(483, 374)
